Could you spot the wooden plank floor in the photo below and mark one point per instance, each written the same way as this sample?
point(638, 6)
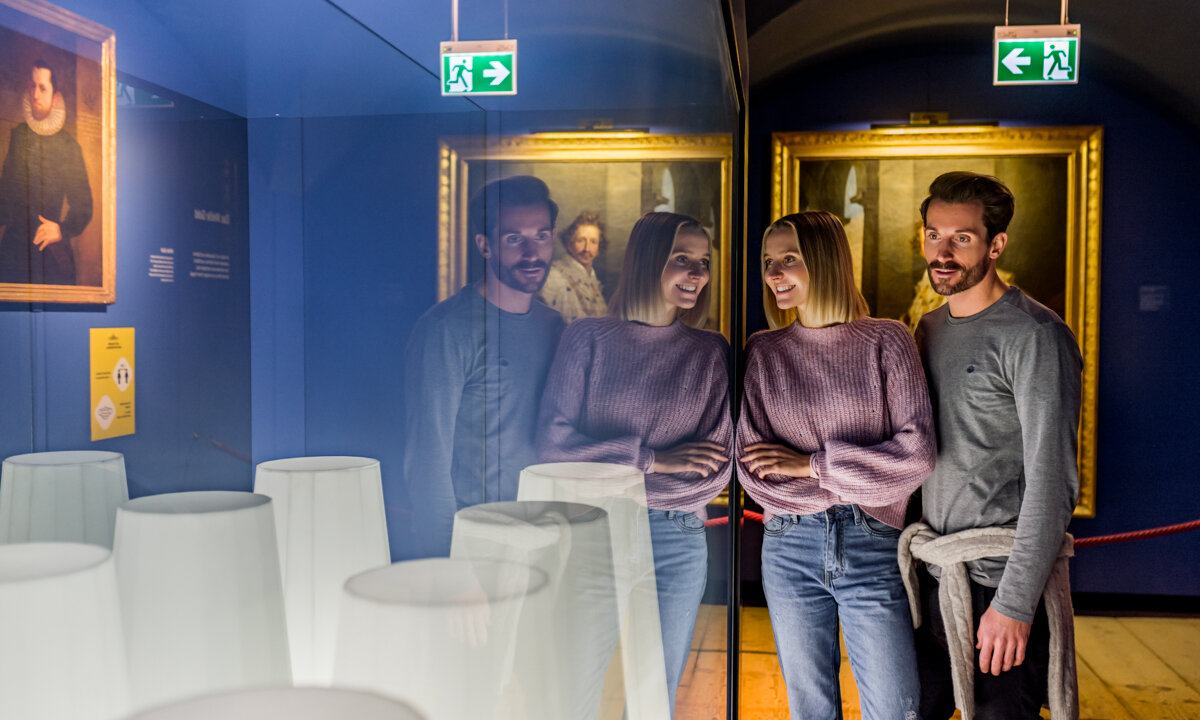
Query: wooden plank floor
point(1129, 669)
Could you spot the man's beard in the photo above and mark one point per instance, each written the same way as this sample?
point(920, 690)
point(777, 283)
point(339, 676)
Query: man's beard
point(508, 275)
point(968, 278)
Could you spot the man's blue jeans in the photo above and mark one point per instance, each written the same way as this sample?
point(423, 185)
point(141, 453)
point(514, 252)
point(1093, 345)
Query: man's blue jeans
point(830, 567)
point(680, 570)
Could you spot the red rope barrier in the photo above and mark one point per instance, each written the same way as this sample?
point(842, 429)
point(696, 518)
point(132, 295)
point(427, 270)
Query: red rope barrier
point(1137, 534)
point(717, 522)
point(1079, 542)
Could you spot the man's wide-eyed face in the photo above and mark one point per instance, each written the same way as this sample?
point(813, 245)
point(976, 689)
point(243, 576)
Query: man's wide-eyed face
point(41, 93)
point(957, 249)
point(520, 250)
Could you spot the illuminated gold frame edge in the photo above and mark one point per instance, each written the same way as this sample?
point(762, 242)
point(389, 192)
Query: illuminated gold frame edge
point(1082, 148)
point(107, 292)
point(455, 152)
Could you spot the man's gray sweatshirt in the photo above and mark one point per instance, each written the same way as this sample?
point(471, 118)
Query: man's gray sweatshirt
point(1005, 389)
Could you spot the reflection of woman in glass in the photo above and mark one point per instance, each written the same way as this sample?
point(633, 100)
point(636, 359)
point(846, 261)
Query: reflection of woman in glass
point(572, 287)
point(835, 434)
point(645, 387)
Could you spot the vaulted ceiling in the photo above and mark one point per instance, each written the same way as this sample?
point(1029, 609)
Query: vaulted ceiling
point(1149, 45)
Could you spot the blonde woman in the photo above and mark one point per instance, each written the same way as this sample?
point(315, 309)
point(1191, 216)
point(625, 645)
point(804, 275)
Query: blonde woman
point(647, 387)
point(835, 434)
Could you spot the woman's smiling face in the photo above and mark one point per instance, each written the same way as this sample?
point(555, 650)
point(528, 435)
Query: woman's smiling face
point(687, 270)
point(784, 270)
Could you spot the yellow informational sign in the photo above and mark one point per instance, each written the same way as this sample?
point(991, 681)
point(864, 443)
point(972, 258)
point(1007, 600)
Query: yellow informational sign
point(112, 382)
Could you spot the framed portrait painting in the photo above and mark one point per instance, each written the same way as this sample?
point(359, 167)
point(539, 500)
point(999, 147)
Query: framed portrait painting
point(608, 179)
point(58, 156)
point(875, 182)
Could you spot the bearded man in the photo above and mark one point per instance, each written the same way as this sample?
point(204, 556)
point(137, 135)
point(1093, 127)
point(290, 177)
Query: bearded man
point(476, 365)
point(1004, 379)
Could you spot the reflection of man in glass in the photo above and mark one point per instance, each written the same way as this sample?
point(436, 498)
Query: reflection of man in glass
point(572, 287)
point(45, 198)
point(476, 364)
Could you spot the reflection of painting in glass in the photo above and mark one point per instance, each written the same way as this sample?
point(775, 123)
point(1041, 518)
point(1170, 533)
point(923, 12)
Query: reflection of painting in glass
point(879, 201)
point(620, 192)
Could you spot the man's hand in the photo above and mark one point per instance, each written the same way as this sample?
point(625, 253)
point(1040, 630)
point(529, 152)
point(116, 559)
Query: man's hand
point(698, 457)
point(772, 458)
point(48, 233)
point(1000, 642)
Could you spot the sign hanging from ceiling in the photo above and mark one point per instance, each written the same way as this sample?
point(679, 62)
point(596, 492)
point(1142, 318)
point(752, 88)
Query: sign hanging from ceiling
point(479, 67)
point(1035, 55)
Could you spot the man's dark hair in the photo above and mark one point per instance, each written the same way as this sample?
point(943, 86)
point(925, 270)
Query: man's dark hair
point(518, 191)
point(40, 64)
point(960, 187)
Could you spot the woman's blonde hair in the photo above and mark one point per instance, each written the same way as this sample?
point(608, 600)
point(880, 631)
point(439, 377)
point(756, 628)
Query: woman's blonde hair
point(639, 294)
point(833, 298)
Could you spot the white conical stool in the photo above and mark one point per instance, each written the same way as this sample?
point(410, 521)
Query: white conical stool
point(621, 491)
point(63, 496)
point(62, 655)
point(330, 525)
point(201, 598)
point(438, 633)
point(289, 703)
point(563, 649)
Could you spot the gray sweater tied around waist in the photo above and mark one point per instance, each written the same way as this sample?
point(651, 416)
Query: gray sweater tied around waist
point(951, 553)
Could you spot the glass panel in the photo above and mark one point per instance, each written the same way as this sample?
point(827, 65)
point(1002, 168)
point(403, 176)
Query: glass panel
point(306, 275)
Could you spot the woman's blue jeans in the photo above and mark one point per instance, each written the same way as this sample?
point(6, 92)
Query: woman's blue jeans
point(831, 567)
point(680, 571)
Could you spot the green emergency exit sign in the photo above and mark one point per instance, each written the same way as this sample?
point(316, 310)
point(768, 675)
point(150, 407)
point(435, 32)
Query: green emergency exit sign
point(1036, 55)
point(483, 67)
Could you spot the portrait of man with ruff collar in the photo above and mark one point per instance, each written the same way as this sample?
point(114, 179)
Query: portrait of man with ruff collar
point(56, 150)
point(45, 197)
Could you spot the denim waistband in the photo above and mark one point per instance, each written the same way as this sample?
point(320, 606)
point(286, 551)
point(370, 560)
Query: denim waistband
point(831, 513)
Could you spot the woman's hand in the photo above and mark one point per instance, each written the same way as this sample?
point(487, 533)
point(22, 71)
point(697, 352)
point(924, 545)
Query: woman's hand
point(770, 458)
point(699, 457)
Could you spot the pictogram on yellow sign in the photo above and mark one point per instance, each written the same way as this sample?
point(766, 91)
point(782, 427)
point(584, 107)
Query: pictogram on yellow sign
point(112, 382)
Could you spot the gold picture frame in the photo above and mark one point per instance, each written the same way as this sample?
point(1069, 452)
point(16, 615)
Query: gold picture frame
point(81, 57)
point(620, 175)
point(875, 180)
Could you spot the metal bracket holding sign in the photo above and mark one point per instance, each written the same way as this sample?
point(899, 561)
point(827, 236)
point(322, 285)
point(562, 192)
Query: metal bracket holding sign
point(1035, 55)
point(479, 67)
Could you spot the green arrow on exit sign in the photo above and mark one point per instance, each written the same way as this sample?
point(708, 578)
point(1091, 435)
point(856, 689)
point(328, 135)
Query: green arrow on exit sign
point(486, 67)
point(1036, 55)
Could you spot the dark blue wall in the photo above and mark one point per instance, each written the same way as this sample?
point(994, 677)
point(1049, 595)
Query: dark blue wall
point(370, 270)
point(193, 354)
point(1149, 379)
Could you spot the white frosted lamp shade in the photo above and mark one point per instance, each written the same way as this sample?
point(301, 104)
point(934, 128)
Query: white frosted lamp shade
point(564, 644)
point(285, 703)
point(439, 634)
point(201, 598)
point(586, 482)
point(329, 525)
point(621, 491)
point(64, 496)
point(62, 654)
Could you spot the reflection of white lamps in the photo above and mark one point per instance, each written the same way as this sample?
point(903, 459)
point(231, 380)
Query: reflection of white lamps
point(330, 524)
point(61, 650)
point(438, 633)
point(201, 598)
point(289, 703)
point(564, 644)
point(621, 491)
point(68, 496)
